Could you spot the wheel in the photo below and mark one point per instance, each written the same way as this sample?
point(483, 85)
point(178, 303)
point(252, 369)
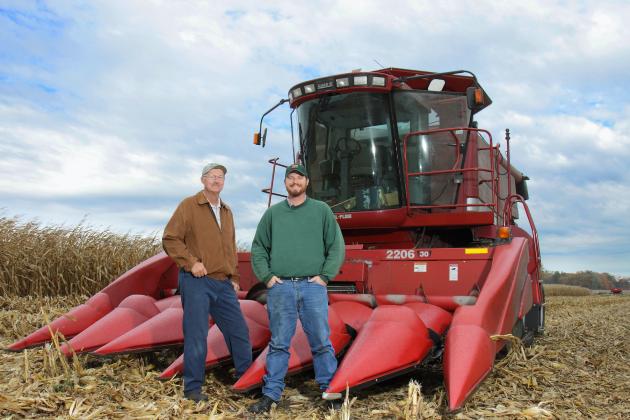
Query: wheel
point(535, 319)
point(258, 292)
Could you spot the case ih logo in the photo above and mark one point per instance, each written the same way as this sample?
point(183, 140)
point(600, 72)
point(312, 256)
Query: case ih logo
point(325, 85)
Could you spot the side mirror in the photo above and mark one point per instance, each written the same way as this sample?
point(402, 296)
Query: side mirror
point(260, 140)
point(521, 188)
point(476, 98)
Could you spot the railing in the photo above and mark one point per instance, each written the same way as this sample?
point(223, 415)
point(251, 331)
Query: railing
point(493, 206)
point(507, 218)
point(269, 190)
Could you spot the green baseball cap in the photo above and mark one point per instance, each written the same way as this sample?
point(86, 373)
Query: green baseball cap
point(297, 168)
point(211, 166)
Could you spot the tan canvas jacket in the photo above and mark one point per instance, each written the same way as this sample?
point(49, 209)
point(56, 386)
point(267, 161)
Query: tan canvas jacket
point(193, 234)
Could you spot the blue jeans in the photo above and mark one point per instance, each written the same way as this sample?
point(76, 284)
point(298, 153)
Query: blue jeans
point(285, 302)
point(205, 296)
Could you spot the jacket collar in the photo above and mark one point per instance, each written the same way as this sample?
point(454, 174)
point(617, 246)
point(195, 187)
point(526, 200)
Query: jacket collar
point(202, 200)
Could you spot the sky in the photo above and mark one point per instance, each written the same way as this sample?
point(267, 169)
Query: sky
point(109, 109)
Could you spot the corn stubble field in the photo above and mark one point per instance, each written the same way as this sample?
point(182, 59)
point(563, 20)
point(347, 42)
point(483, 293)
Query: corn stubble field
point(579, 368)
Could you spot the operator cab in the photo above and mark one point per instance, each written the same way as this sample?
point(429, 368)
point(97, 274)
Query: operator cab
point(397, 151)
point(351, 143)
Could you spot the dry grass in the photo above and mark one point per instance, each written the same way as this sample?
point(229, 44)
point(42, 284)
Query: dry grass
point(565, 290)
point(40, 260)
point(578, 369)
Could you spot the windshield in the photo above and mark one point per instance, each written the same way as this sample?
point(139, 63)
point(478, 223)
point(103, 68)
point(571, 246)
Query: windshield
point(422, 111)
point(348, 150)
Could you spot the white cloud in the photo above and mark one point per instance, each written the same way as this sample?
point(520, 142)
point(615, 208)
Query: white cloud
point(111, 108)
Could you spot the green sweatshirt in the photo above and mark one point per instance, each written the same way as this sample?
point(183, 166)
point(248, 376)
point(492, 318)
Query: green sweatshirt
point(298, 241)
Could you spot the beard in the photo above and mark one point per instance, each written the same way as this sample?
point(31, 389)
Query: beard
point(296, 190)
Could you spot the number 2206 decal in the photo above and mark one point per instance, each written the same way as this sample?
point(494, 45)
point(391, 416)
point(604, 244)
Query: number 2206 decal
point(406, 254)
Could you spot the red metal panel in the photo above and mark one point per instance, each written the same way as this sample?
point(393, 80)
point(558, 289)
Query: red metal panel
point(69, 324)
point(258, 325)
point(365, 299)
point(143, 279)
point(300, 353)
point(455, 218)
point(468, 359)
point(161, 330)
point(435, 281)
point(468, 351)
point(353, 272)
point(395, 299)
point(248, 279)
point(373, 219)
point(383, 238)
point(351, 313)
point(520, 281)
point(424, 275)
point(169, 279)
point(527, 299)
point(394, 338)
point(169, 302)
point(432, 317)
point(398, 218)
point(132, 311)
point(454, 83)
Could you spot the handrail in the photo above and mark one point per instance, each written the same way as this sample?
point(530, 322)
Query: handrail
point(269, 190)
point(507, 219)
point(492, 206)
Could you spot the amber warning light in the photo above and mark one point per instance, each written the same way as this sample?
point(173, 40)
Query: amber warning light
point(504, 232)
point(477, 99)
point(259, 140)
point(478, 96)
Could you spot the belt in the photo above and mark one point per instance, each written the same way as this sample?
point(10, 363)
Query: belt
point(296, 278)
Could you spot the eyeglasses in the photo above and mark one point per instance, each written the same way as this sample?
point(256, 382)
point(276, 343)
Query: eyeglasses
point(215, 177)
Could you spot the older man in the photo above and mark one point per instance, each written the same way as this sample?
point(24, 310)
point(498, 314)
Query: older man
point(200, 238)
point(297, 249)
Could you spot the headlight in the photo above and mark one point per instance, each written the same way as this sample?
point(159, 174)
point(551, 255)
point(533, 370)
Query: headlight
point(360, 80)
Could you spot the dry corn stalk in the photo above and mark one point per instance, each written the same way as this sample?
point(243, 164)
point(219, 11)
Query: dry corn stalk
point(26, 372)
point(58, 354)
point(344, 413)
point(516, 351)
point(413, 407)
point(578, 369)
point(56, 260)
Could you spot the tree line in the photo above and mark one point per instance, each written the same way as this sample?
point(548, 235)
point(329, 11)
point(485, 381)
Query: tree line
point(589, 279)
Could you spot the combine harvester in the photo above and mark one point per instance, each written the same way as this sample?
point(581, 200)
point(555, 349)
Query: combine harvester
point(435, 262)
